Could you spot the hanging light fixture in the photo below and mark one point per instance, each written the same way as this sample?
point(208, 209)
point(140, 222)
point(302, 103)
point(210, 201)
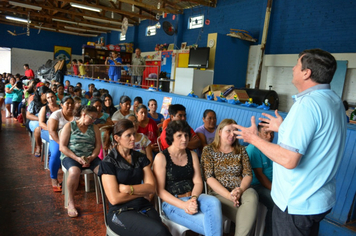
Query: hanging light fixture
point(85, 7)
point(18, 19)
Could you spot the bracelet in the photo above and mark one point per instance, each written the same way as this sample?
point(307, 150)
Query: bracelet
point(194, 196)
point(132, 190)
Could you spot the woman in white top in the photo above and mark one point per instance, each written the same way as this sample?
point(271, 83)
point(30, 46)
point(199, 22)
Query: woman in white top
point(55, 123)
point(142, 143)
point(125, 105)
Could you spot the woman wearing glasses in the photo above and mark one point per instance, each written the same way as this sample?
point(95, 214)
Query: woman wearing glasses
point(80, 145)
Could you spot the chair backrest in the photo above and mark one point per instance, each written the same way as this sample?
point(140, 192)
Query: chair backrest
point(103, 198)
point(106, 134)
point(159, 143)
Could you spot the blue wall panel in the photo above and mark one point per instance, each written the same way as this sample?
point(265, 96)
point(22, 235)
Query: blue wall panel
point(45, 41)
point(298, 25)
point(148, 43)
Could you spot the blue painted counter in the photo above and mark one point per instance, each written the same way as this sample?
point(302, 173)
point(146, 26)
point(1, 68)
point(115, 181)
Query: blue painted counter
point(195, 107)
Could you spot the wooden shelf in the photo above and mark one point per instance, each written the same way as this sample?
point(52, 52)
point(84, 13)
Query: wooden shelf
point(242, 37)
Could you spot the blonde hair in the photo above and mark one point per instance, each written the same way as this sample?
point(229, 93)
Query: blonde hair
point(216, 143)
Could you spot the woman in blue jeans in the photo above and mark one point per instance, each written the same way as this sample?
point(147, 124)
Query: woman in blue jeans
point(55, 123)
point(179, 185)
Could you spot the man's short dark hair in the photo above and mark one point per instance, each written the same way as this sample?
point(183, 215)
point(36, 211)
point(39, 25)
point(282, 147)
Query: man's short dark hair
point(77, 89)
point(174, 108)
point(26, 65)
point(80, 60)
point(321, 63)
point(174, 127)
point(74, 60)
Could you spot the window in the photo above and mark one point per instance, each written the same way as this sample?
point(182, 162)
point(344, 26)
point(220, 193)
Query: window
point(196, 22)
point(151, 30)
point(122, 37)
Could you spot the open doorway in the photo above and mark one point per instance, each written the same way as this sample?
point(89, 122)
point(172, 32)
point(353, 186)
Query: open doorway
point(5, 60)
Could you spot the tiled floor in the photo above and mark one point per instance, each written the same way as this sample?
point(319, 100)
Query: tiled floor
point(28, 205)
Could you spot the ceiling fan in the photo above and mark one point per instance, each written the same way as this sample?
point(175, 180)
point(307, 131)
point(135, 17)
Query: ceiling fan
point(14, 33)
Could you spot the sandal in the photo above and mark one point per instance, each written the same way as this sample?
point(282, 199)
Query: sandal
point(37, 154)
point(72, 213)
point(57, 188)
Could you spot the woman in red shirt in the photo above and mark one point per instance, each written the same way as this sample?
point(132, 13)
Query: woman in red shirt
point(147, 126)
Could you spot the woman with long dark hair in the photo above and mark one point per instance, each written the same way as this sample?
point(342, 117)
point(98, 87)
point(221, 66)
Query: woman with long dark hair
point(108, 105)
point(33, 110)
point(128, 181)
point(46, 112)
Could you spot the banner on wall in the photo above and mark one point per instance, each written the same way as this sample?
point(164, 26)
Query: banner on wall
point(61, 52)
point(167, 101)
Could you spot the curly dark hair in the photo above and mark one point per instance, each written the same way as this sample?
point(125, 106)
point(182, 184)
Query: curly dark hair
point(174, 127)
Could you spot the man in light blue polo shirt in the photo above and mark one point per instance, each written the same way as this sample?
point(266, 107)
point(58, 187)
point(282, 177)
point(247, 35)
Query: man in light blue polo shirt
point(262, 168)
point(310, 146)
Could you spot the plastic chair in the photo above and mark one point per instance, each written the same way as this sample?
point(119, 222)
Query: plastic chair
point(174, 228)
point(44, 154)
point(159, 143)
point(86, 173)
point(226, 221)
point(33, 142)
point(103, 131)
point(109, 232)
point(261, 219)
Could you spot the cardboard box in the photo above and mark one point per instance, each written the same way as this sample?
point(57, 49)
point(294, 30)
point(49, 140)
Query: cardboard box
point(241, 95)
point(216, 89)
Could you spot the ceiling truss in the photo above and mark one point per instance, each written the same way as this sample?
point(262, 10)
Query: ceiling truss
point(59, 15)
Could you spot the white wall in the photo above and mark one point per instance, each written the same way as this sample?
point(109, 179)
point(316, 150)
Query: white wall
point(277, 71)
point(34, 58)
point(5, 60)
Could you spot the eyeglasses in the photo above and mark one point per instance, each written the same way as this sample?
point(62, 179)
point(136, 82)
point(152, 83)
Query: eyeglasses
point(92, 118)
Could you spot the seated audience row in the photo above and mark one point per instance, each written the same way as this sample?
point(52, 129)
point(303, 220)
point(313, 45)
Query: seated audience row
point(127, 168)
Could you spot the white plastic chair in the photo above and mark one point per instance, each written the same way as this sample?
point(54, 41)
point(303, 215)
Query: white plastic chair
point(261, 219)
point(174, 228)
point(159, 143)
point(226, 221)
point(33, 142)
point(44, 154)
point(109, 232)
point(86, 173)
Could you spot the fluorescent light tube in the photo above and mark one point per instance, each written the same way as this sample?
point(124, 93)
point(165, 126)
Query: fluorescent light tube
point(101, 27)
point(17, 19)
point(85, 7)
point(18, 4)
point(84, 30)
point(104, 21)
point(80, 34)
point(46, 28)
point(65, 21)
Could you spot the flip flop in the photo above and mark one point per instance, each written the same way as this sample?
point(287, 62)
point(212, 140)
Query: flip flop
point(57, 188)
point(37, 154)
point(72, 213)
